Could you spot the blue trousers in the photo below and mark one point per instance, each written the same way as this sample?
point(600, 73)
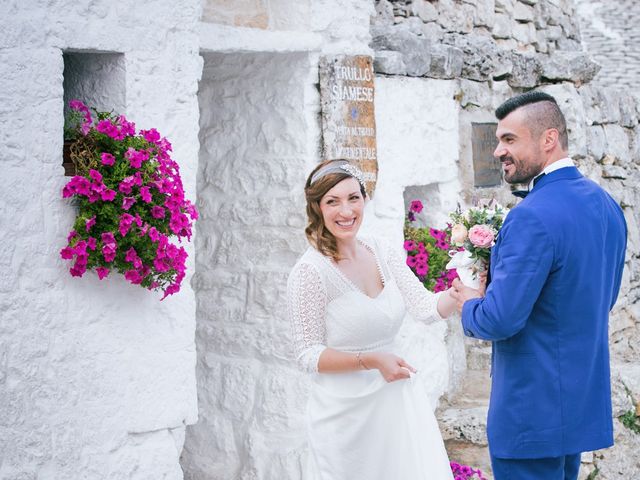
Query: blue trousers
point(557, 468)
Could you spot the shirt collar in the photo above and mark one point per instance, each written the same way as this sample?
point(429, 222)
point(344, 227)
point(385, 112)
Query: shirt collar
point(558, 164)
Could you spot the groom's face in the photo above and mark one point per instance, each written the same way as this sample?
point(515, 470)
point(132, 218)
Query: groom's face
point(518, 151)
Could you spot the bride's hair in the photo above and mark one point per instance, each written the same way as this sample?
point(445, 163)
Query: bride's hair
point(317, 233)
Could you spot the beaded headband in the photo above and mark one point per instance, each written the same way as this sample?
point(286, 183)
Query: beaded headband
point(339, 166)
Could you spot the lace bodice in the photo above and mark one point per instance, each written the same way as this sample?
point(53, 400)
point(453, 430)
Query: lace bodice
point(327, 310)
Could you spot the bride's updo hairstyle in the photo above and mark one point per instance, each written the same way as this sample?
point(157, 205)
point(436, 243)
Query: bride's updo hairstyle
point(322, 179)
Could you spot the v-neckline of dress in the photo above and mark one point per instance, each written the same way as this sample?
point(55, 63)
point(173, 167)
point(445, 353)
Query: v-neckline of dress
point(351, 283)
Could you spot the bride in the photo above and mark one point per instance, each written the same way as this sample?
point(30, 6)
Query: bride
point(367, 419)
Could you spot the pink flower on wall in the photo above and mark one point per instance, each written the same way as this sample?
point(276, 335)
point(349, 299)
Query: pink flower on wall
point(133, 172)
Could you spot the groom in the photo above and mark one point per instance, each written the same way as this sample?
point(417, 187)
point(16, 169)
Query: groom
point(555, 275)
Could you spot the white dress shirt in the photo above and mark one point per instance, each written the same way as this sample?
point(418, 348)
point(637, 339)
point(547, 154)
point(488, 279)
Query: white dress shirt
point(557, 165)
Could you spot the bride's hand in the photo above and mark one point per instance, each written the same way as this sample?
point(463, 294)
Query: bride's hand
point(391, 366)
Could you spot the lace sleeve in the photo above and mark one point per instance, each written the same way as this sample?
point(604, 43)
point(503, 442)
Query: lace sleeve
point(306, 304)
point(421, 303)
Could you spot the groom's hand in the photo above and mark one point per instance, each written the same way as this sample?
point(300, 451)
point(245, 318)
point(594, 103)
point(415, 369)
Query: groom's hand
point(461, 293)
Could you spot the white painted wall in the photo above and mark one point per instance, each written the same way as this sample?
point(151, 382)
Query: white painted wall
point(258, 134)
point(96, 378)
point(417, 136)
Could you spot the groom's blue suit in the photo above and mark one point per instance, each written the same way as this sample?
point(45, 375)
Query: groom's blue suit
point(556, 269)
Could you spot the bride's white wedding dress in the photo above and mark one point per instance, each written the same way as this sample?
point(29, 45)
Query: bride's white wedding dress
point(359, 426)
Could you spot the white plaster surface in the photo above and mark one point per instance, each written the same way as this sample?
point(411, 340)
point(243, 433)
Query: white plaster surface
point(96, 378)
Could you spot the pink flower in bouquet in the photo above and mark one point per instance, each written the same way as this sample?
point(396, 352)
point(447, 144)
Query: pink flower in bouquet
point(481, 236)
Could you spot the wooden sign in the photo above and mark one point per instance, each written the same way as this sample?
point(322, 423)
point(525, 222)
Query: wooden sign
point(348, 120)
point(487, 170)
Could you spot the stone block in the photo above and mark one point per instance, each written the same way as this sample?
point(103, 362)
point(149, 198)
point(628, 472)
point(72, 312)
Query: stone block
point(617, 143)
point(484, 13)
point(576, 67)
point(613, 171)
point(474, 94)
point(384, 12)
point(523, 12)
point(504, 6)
point(414, 49)
point(524, 33)
point(602, 105)
point(628, 113)
point(424, 10)
point(268, 293)
point(467, 424)
point(481, 56)
point(596, 142)
point(526, 71)
point(541, 42)
point(238, 386)
point(389, 63)
point(502, 26)
point(281, 400)
point(446, 62)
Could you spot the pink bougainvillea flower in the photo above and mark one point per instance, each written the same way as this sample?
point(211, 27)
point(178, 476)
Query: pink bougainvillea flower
point(95, 175)
point(109, 252)
point(151, 135)
point(416, 206)
point(411, 261)
point(157, 212)
point(154, 235)
point(78, 105)
point(67, 253)
point(107, 159)
point(145, 194)
point(126, 185)
point(127, 202)
point(125, 223)
point(102, 272)
point(72, 234)
point(409, 245)
point(92, 243)
point(108, 195)
point(89, 222)
point(133, 276)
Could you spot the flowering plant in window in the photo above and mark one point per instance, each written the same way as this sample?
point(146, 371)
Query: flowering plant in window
point(428, 251)
point(474, 231)
point(130, 202)
point(464, 472)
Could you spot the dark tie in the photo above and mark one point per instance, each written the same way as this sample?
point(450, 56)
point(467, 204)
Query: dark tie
point(524, 193)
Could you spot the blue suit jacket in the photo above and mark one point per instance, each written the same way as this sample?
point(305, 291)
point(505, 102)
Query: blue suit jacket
point(556, 269)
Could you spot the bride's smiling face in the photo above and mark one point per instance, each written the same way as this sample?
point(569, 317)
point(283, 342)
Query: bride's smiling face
point(342, 209)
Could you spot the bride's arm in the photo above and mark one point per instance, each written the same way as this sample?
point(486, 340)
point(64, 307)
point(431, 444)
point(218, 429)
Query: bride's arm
point(306, 307)
point(421, 303)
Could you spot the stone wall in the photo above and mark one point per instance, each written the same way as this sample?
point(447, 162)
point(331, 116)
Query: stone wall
point(492, 50)
point(96, 378)
point(255, 134)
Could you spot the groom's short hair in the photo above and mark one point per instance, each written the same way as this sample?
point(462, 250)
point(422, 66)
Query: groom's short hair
point(542, 112)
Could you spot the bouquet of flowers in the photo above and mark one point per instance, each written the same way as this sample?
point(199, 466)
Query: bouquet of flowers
point(474, 231)
point(130, 202)
point(428, 252)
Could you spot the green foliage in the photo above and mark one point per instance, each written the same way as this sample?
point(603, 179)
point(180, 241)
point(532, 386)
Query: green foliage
point(631, 421)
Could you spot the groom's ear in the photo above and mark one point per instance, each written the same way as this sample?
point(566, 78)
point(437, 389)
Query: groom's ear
point(550, 139)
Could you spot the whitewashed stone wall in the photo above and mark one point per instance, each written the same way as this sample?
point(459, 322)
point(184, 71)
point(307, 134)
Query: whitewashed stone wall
point(255, 135)
point(418, 150)
point(96, 378)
